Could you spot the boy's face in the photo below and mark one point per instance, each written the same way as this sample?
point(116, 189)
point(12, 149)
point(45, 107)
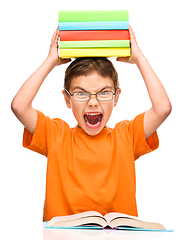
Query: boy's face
point(93, 115)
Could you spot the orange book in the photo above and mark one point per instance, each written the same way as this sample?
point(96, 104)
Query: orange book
point(86, 35)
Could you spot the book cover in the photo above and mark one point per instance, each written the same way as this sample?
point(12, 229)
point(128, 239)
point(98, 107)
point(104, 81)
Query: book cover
point(94, 44)
point(86, 35)
point(109, 25)
point(93, 15)
point(94, 52)
point(101, 228)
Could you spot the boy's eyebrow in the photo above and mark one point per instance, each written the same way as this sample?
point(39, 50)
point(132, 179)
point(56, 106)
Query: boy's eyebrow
point(105, 88)
point(80, 88)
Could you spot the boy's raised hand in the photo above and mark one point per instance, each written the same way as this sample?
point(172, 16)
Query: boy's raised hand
point(53, 52)
point(135, 50)
point(22, 102)
point(161, 106)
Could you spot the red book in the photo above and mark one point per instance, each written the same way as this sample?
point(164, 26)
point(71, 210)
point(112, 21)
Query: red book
point(94, 35)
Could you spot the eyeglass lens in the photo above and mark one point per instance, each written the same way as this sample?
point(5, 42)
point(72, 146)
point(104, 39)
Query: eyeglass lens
point(101, 96)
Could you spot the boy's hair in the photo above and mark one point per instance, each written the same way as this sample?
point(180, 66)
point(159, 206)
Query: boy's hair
point(86, 66)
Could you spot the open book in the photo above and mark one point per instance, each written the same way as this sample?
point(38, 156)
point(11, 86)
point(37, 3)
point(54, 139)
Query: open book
point(95, 220)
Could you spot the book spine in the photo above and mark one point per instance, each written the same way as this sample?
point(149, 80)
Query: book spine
point(95, 52)
point(94, 35)
point(93, 16)
point(93, 25)
point(94, 44)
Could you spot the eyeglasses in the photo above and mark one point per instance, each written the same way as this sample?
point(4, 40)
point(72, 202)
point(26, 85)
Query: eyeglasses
point(85, 96)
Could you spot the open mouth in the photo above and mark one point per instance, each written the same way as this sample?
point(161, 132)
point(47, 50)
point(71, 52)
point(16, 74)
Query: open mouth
point(93, 120)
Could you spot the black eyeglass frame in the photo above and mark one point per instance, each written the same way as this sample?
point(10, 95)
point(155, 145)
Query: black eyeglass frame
point(72, 95)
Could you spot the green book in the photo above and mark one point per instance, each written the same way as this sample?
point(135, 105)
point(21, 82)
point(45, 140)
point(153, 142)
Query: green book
point(94, 44)
point(93, 15)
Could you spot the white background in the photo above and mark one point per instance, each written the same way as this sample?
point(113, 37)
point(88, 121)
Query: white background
point(26, 31)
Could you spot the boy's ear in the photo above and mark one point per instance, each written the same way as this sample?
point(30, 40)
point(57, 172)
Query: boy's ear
point(117, 97)
point(67, 99)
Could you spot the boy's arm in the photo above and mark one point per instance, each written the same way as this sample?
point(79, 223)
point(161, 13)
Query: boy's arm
point(161, 106)
point(22, 103)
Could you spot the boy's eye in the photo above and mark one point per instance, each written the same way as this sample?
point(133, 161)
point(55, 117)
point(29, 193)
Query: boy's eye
point(103, 93)
point(81, 94)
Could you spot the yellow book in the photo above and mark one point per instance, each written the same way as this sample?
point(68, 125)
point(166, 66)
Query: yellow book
point(94, 52)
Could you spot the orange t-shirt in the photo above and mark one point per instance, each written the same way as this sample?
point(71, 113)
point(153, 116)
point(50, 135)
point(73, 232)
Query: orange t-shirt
point(89, 173)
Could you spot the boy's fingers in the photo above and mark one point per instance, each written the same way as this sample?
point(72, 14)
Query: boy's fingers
point(66, 60)
point(55, 36)
point(122, 59)
point(132, 34)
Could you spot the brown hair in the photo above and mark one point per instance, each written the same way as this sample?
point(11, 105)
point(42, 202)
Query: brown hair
point(85, 66)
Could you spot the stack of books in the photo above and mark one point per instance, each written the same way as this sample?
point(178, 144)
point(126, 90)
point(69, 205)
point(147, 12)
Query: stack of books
point(94, 33)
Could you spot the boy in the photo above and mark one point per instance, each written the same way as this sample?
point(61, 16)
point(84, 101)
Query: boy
point(91, 166)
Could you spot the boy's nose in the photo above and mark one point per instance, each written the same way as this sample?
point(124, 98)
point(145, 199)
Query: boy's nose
point(93, 102)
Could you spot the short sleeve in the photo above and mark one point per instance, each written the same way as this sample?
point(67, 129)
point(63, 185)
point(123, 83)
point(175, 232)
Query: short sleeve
point(47, 132)
point(141, 144)
point(133, 133)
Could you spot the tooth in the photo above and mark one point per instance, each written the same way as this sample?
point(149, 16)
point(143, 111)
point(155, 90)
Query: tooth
point(92, 114)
